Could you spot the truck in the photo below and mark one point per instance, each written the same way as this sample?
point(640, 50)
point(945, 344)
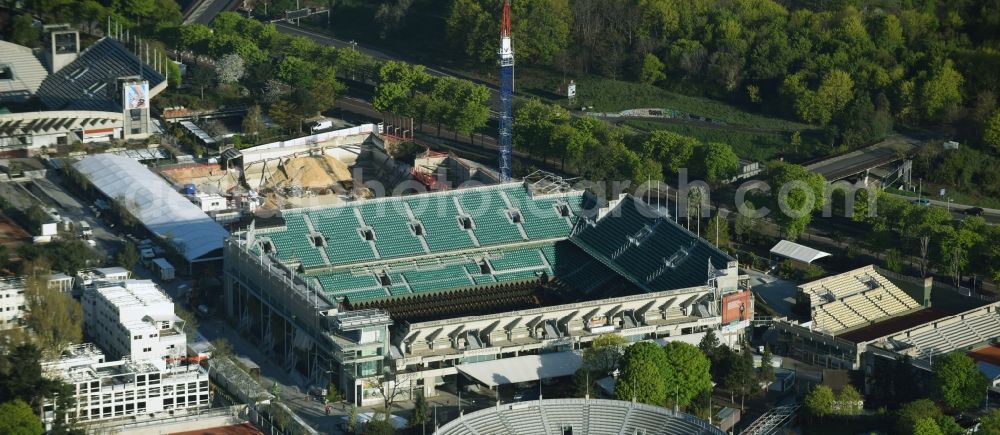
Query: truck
point(163, 268)
point(146, 255)
point(85, 230)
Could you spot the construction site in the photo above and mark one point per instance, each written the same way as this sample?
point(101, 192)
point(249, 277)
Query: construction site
point(323, 169)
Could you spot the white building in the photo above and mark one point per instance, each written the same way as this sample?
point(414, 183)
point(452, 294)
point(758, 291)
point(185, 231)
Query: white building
point(125, 388)
point(134, 319)
point(134, 322)
point(12, 303)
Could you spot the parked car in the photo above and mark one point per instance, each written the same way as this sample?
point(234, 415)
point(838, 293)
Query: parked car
point(922, 201)
point(974, 211)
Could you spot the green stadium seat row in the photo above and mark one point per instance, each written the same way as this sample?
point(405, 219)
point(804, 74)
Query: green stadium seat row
point(390, 222)
point(489, 212)
point(517, 259)
point(524, 274)
point(438, 215)
point(541, 218)
point(689, 254)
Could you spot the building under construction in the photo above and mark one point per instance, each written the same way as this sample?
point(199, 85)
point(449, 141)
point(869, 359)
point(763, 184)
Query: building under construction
point(411, 292)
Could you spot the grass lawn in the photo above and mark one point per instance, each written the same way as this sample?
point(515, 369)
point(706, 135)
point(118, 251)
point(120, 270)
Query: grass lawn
point(757, 146)
point(611, 96)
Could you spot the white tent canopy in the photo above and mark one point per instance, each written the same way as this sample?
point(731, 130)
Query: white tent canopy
point(160, 208)
point(523, 368)
point(798, 252)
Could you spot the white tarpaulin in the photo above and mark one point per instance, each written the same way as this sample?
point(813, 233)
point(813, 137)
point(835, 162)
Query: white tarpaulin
point(523, 368)
point(160, 208)
point(798, 252)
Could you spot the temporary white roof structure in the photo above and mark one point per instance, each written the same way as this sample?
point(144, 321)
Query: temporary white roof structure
point(160, 208)
point(798, 252)
point(523, 368)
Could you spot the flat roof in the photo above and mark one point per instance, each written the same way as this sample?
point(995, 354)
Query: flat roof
point(156, 204)
point(798, 252)
point(893, 325)
point(236, 429)
point(987, 354)
point(523, 368)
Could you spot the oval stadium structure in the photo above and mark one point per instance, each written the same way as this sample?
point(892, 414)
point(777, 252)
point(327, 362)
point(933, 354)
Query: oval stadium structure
point(578, 417)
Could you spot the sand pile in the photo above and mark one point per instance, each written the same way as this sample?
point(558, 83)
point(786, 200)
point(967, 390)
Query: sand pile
point(310, 172)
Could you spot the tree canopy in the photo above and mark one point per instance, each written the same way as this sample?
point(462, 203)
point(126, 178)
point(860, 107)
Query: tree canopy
point(958, 382)
point(820, 401)
point(17, 418)
point(642, 374)
point(687, 373)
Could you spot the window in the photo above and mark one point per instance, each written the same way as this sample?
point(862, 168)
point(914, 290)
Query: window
point(147, 349)
point(465, 222)
point(367, 234)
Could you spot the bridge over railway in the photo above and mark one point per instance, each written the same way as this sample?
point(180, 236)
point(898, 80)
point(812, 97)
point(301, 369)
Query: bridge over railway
point(893, 149)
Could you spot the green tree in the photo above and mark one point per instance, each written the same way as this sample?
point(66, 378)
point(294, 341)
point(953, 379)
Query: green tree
point(332, 395)
point(253, 122)
point(642, 374)
point(709, 344)
point(894, 260)
point(604, 353)
point(765, 373)
point(990, 424)
point(819, 402)
point(652, 70)
point(717, 232)
point(55, 317)
point(926, 426)
point(672, 149)
point(352, 419)
point(849, 401)
point(190, 322)
point(745, 225)
point(379, 426)
point(194, 37)
point(688, 372)
point(949, 426)
point(23, 33)
point(127, 256)
point(741, 376)
point(17, 418)
point(941, 94)
point(991, 131)
point(796, 193)
point(721, 163)
point(284, 114)
point(421, 412)
point(908, 415)
point(958, 383)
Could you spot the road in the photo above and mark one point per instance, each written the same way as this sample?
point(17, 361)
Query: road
point(50, 192)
